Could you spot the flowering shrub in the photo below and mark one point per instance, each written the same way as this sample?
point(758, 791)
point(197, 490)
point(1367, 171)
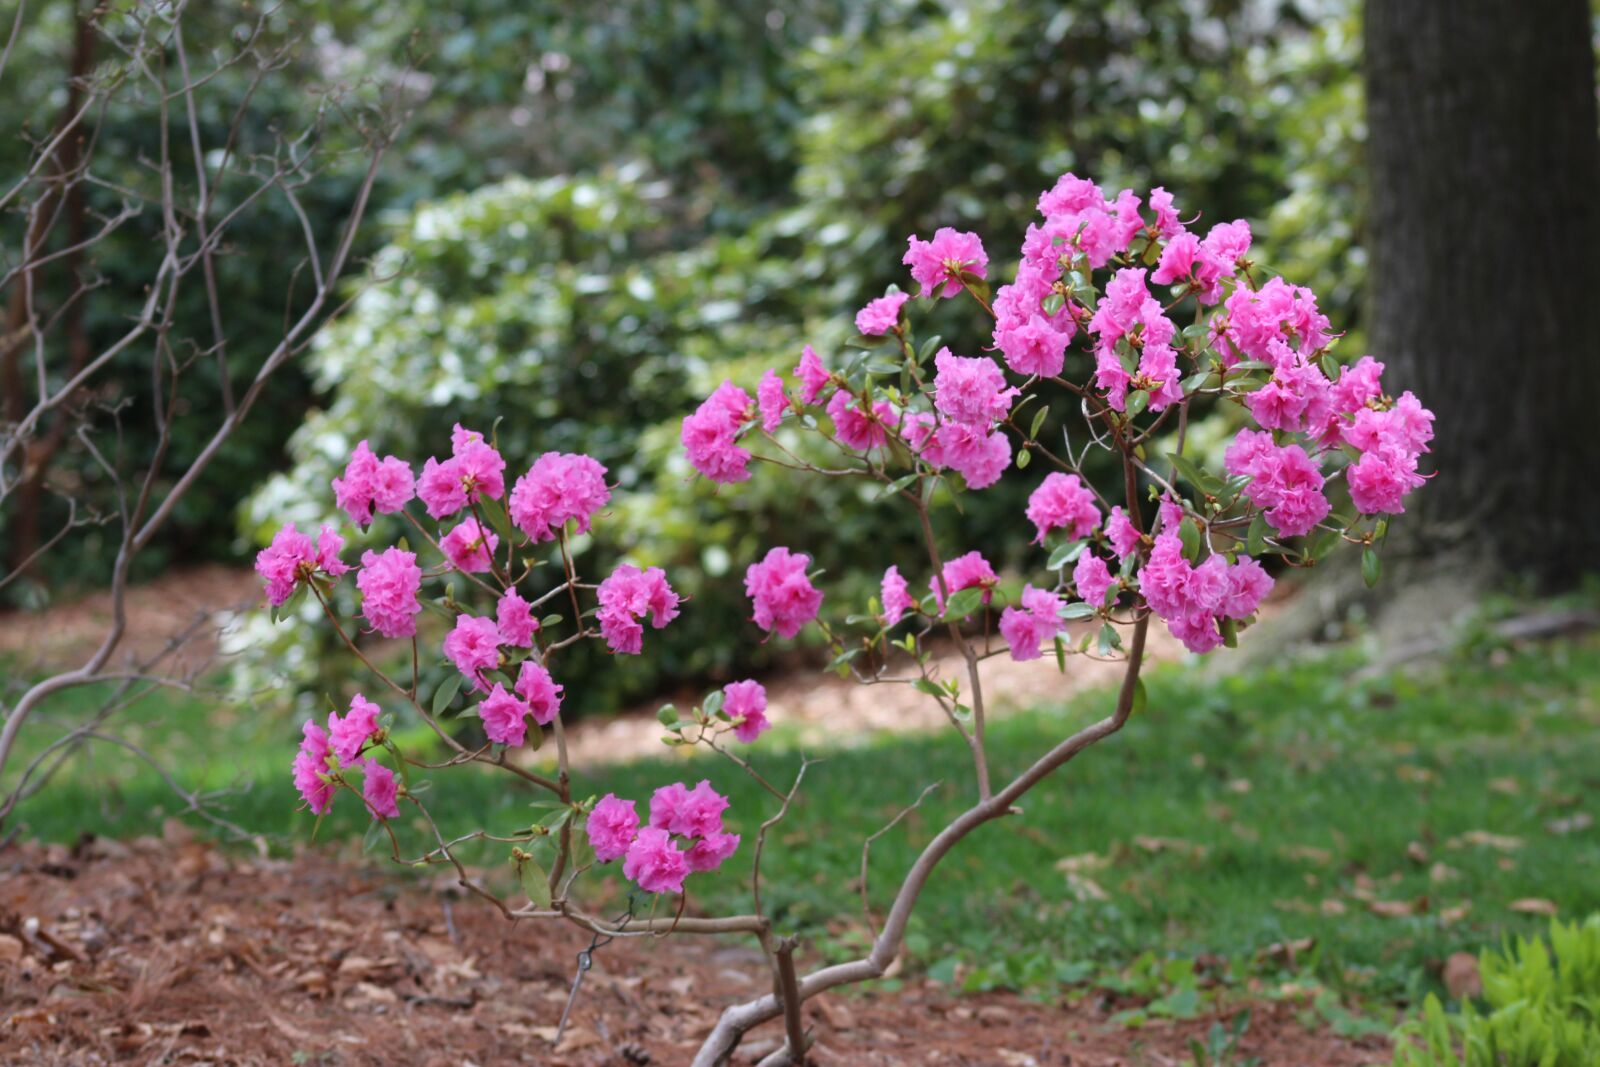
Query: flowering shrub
point(1324, 457)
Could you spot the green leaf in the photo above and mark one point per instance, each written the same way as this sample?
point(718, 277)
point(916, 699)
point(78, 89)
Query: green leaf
point(667, 715)
point(1024, 457)
point(866, 341)
point(929, 686)
point(1061, 655)
point(1067, 553)
point(895, 486)
point(1195, 382)
point(1053, 303)
point(713, 701)
point(1078, 609)
point(964, 602)
point(1371, 567)
point(881, 366)
point(1109, 640)
point(535, 883)
point(1038, 421)
point(1138, 400)
point(1256, 539)
point(928, 348)
point(1141, 699)
point(1191, 473)
point(1189, 537)
point(446, 693)
point(549, 621)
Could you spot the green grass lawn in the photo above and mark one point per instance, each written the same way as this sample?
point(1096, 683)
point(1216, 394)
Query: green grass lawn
point(1281, 800)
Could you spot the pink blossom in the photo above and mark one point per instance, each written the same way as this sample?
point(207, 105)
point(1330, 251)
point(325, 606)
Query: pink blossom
point(1166, 224)
point(349, 734)
point(1027, 628)
point(1121, 533)
point(1380, 480)
point(389, 584)
point(1070, 195)
point(505, 718)
point(881, 315)
point(1036, 347)
point(1192, 600)
point(1248, 584)
point(543, 695)
point(853, 426)
point(612, 826)
point(965, 572)
point(380, 791)
point(473, 470)
point(1297, 397)
point(773, 402)
point(1229, 242)
point(627, 596)
point(979, 456)
point(896, 600)
point(559, 488)
point(311, 767)
point(655, 862)
point(370, 484)
point(708, 853)
point(971, 389)
point(783, 597)
point(1357, 384)
point(1405, 427)
point(693, 812)
point(330, 544)
point(1092, 578)
point(1284, 481)
point(513, 617)
point(470, 547)
point(474, 647)
point(1016, 303)
point(1186, 260)
point(938, 264)
point(292, 558)
point(1062, 502)
point(746, 704)
point(1277, 312)
point(711, 435)
point(812, 374)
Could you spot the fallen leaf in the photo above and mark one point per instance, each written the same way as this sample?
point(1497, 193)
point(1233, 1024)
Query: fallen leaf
point(1533, 906)
point(1333, 906)
point(1571, 824)
point(1398, 909)
point(1155, 845)
point(1416, 852)
point(1484, 839)
point(1461, 975)
point(1442, 872)
point(1311, 854)
point(1509, 786)
point(1451, 916)
point(1083, 861)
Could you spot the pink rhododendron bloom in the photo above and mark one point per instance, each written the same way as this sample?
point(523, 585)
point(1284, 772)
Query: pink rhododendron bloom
point(979, 456)
point(612, 826)
point(896, 599)
point(1070, 195)
point(881, 315)
point(1038, 620)
point(1277, 312)
point(292, 558)
point(812, 374)
point(693, 812)
point(1357, 384)
point(655, 862)
point(1092, 578)
point(1379, 481)
point(1284, 481)
point(938, 264)
point(559, 488)
point(347, 735)
point(1167, 223)
point(854, 427)
point(389, 584)
point(627, 596)
point(310, 769)
point(474, 647)
point(783, 597)
point(505, 718)
point(1298, 396)
point(470, 547)
point(1405, 427)
point(1036, 346)
point(771, 398)
point(711, 435)
point(1063, 502)
point(1186, 260)
point(746, 704)
point(380, 791)
point(1193, 599)
point(1228, 242)
point(965, 572)
point(1248, 585)
point(543, 695)
point(1120, 531)
point(474, 470)
point(971, 389)
point(372, 485)
point(513, 618)
point(708, 853)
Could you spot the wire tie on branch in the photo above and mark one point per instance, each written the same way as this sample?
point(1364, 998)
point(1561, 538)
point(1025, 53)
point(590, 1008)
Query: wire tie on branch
point(586, 961)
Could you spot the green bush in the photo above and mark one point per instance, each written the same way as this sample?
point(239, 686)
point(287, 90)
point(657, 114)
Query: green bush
point(1543, 1009)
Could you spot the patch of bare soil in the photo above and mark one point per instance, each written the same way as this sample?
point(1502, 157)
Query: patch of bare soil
point(171, 952)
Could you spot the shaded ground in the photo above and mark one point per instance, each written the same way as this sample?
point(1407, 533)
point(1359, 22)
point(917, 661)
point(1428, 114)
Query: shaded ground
point(166, 951)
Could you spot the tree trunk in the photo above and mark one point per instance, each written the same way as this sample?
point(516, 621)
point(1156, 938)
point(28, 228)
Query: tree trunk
point(1484, 174)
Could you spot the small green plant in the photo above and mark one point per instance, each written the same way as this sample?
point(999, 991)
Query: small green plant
point(1221, 1046)
point(1543, 1009)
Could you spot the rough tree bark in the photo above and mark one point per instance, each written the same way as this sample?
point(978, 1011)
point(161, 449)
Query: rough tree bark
point(1485, 300)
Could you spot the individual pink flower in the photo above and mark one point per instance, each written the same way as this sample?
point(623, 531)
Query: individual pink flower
point(292, 558)
point(1186, 260)
point(1285, 482)
point(895, 597)
point(1277, 312)
point(853, 426)
point(1035, 346)
point(505, 718)
point(687, 812)
point(813, 376)
point(1167, 224)
point(1379, 481)
point(1228, 242)
point(543, 695)
point(1071, 195)
point(783, 597)
point(711, 434)
point(347, 735)
point(709, 853)
point(380, 791)
point(1038, 620)
point(1063, 502)
point(474, 470)
point(1297, 397)
point(772, 400)
point(746, 704)
point(311, 767)
point(965, 572)
point(470, 547)
point(938, 264)
point(1358, 383)
point(979, 456)
point(1121, 533)
point(1248, 585)
point(1092, 578)
point(655, 863)
point(627, 596)
point(881, 315)
point(559, 488)
point(1405, 426)
point(612, 826)
point(513, 618)
point(474, 647)
point(389, 584)
point(971, 389)
point(372, 485)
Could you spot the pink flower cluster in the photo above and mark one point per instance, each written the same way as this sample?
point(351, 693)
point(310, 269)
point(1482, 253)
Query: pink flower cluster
point(1063, 502)
point(1038, 620)
point(473, 471)
point(372, 485)
point(505, 714)
point(746, 704)
point(343, 742)
point(470, 547)
point(389, 583)
point(711, 435)
point(881, 315)
point(970, 397)
point(1203, 264)
point(627, 596)
point(970, 571)
point(293, 558)
point(938, 265)
point(653, 856)
point(559, 488)
point(783, 597)
point(1194, 600)
point(1128, 317)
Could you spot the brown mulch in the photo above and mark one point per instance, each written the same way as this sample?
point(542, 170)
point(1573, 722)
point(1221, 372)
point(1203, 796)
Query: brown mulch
point(167, 951)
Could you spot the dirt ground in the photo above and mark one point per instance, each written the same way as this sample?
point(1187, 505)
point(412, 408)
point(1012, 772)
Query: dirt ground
point(167, 951)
